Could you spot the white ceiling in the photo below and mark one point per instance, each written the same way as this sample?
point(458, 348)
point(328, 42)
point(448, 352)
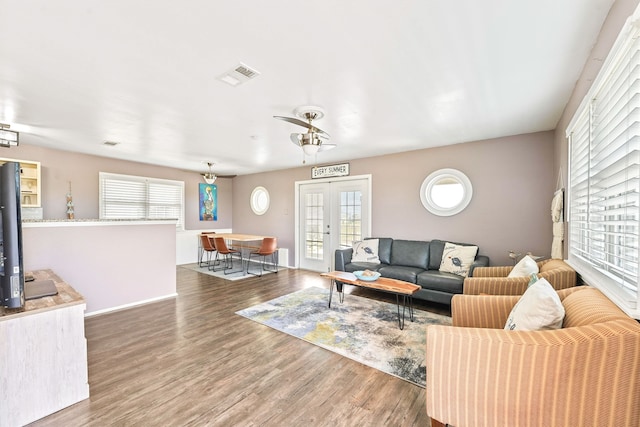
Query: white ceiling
point(391, 75)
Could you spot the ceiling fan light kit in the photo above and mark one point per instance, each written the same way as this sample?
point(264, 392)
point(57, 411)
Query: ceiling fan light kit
point(311, 141)
point(209, 177)
point(310, 149)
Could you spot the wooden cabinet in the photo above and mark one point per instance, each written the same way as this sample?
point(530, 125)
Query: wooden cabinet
point(44, 355)
point(30, 183)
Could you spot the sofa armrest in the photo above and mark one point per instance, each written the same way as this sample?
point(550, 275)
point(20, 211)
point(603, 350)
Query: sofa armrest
point(342, 258)
point(495, 285)
point(480, 261)
point(490, 377)
point(481, 311)
point(495, 271)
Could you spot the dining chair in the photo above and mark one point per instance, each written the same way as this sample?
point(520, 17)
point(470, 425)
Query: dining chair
point(227, 254)
point(206, 247)
point(269, 247)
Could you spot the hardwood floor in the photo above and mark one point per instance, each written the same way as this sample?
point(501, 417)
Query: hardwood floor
point(191, 361)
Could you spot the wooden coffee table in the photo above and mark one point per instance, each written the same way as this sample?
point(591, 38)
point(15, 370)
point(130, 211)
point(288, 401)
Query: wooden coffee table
point(397, 287)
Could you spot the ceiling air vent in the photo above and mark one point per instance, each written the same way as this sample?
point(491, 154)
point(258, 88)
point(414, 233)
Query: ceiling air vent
point(239, 74)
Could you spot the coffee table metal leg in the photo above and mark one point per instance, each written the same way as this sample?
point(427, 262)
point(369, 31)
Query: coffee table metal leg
point(340, 294)
point(401, 318)
point(410, 297)
point(331, 291)
point(404, 305)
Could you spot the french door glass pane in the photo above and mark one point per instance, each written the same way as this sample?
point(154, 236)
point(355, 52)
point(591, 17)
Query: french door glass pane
point(314, 207)
point(350, 217)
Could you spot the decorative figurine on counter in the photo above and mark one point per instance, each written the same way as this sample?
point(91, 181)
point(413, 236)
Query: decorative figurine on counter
point(69, 203)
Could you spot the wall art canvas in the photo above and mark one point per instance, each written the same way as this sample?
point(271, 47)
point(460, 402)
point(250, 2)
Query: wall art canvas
point(208, 202)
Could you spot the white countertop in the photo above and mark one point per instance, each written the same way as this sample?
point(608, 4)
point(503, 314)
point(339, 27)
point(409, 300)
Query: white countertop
point(34, 223)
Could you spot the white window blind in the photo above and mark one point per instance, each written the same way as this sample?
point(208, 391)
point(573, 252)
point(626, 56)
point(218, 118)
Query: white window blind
point(137, 197)
point(604, 176)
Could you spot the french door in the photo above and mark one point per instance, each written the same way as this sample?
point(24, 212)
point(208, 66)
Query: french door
point(331, 214)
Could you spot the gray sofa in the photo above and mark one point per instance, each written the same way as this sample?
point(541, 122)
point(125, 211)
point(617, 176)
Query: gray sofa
point(415, 262)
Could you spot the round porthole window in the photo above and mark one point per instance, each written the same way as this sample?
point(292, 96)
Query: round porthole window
point(259, 200)
point(446, 192)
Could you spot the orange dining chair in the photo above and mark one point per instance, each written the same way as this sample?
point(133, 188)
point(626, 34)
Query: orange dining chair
point(269, 247)
point(227, 254)
point(206, 247)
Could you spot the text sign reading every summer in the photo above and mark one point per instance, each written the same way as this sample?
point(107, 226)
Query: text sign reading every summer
point(330, 171)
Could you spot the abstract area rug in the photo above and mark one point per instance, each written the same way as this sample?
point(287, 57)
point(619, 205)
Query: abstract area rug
point(233, 276)
point(361, 329)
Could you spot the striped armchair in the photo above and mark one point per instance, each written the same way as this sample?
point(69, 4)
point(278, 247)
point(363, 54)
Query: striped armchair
point(494, 280)
point(585, 374)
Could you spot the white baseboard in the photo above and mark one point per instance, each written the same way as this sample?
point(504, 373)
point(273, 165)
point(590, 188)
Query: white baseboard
point(133, 304)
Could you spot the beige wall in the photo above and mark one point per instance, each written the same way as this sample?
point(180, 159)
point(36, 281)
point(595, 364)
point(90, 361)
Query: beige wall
point(513, 181)
point(618, 14)
point(60, 167)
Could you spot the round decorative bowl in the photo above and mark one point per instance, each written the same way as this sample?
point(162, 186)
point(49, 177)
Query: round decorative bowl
point(373, 278)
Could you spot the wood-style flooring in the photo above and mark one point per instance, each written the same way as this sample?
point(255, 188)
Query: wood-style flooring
point(191, 361)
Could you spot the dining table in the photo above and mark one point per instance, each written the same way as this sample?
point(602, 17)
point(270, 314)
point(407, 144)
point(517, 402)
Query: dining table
point(242, 242)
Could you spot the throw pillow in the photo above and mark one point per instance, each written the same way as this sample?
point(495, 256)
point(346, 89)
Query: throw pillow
point(366, 251)
point(537, 309)
point(533, 279)
point(457, 259)
point(524, 267)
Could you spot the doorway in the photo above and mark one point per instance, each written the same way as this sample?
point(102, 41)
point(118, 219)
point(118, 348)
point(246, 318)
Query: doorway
point(331, 213)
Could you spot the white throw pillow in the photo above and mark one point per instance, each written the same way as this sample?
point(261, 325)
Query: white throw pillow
point(366, 251)
point(525, 267)
point(457, 259)
point(538, 308)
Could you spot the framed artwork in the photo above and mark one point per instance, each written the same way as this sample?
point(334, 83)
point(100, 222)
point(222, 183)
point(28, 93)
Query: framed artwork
point(208, 202)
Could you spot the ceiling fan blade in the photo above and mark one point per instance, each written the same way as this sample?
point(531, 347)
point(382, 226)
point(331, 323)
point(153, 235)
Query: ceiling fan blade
point(296, 138)
point(325, 147)
point(301, 123)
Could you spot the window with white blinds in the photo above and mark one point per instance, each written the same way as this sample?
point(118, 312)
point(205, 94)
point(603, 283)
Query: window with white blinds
point(137, 197)
point(604, 176)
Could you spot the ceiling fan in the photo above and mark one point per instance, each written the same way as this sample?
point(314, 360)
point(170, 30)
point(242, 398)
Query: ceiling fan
point(311, 142)
point(210, 177)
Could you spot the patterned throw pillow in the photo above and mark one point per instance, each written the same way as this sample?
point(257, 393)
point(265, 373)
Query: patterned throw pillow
point(366, 251)
point(457, 259)
point(537, 309)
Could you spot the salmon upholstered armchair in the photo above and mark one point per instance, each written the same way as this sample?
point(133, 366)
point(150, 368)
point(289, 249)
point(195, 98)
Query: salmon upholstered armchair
point(585, 374)
point(494, 280)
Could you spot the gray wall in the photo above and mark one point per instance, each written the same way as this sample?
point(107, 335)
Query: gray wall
point(513, 183)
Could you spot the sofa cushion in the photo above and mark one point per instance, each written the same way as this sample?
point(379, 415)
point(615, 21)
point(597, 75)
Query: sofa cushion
point(410, 253)
point(384, 248)
point(356, 266)
point(589, 306)
point(400, 272)
point(441, 281)
point(457, 259)
point(552, 264)
point(365, 251)
point(537, 309)
point(525, 267)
